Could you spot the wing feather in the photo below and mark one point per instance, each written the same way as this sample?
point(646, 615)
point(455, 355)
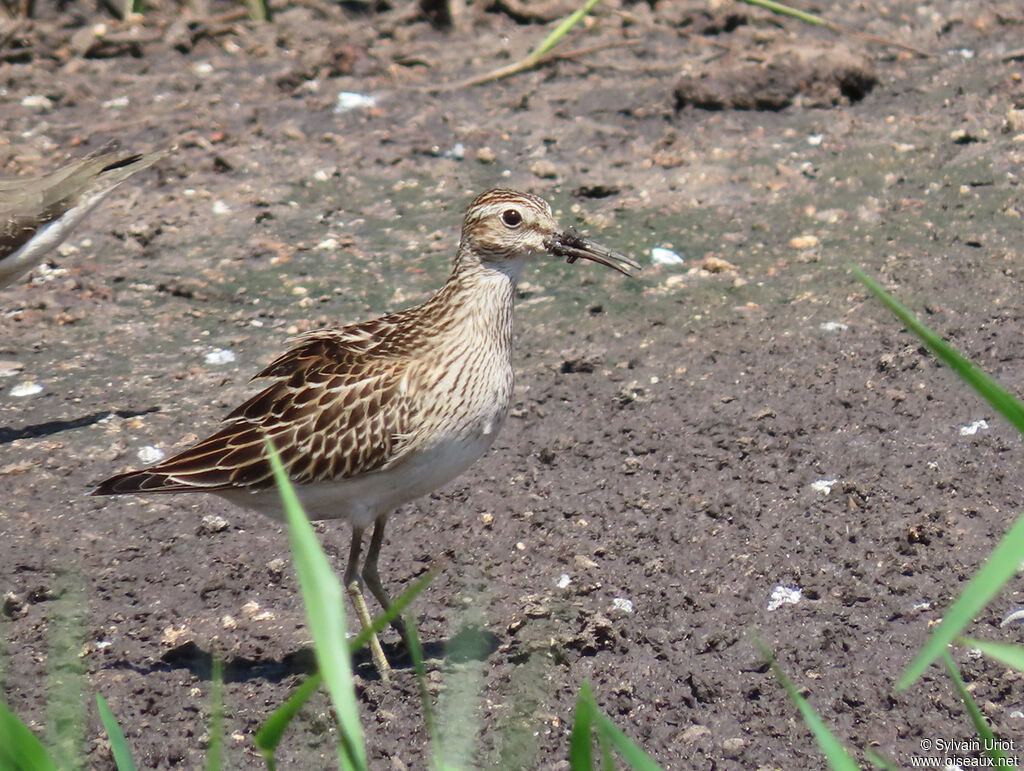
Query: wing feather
point(336, 409)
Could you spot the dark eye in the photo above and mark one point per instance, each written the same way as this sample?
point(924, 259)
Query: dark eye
point(511, 217)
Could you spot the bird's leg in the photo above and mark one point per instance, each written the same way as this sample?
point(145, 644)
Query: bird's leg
point(353, 584)
point(372, 577)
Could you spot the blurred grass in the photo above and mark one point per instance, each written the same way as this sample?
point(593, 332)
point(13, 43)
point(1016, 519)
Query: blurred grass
point(118, 745)
point(1005, 560)
point(66, 716)
point(214, 759)
point(981, 727)
point(837, 757)
point(325, 611)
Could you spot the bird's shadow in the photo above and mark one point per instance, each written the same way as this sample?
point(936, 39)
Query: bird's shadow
point(8, 435)
point(470, 644)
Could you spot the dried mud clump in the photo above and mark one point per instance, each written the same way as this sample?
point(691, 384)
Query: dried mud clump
point(811, 75)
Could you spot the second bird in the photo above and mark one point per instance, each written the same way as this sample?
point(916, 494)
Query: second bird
point(371, 415)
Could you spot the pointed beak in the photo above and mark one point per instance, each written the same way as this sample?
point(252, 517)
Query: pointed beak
point(571, 245)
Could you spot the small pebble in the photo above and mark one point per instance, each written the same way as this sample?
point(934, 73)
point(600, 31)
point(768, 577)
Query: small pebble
point(621, 603)
point(973, 428)
point(695, 732)
point(37, 102)
point(220, 356)
point(823, 486)
point(663, 256)
point(784, 595)
point(563, 581)
point(804, 242)
point(27, 388)
point(150, 454)
point(117, 103)
point(221, 208)
point(214, 523)
point(544, 170)
point(833, 326)
point(10, 368)
point(349, 100)
point(457, 152)
point(731, 748)
point(486, 155)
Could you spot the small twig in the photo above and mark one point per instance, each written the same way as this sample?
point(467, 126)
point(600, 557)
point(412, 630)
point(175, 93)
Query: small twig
point(818, 21)
point(535, 56)
point(517, 67)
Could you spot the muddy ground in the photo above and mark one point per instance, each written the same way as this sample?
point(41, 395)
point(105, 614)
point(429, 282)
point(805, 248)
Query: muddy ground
point(656, 481)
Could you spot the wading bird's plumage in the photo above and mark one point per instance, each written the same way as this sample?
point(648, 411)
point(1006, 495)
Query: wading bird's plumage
point(371, 415)
point(38, 213)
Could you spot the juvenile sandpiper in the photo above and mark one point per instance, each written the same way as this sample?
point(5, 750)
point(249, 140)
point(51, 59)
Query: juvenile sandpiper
point(38, 213)
point(370, 415)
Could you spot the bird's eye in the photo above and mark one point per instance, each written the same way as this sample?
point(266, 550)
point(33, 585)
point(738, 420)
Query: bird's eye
point(511, 217)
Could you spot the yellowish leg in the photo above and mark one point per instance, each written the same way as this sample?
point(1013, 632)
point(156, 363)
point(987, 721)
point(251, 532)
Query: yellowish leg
point(355, 594)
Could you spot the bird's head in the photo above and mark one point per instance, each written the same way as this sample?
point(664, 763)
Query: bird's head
point(506, 225)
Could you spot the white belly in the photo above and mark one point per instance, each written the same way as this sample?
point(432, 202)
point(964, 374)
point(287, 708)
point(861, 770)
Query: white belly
point(362, 499)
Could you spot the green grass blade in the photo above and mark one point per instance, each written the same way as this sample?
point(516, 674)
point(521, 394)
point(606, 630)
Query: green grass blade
point(1000, 400)
point(581, 756)
point(269, 735)
point(1008, 653)
point(397, 606)
point(67, 715)
point(631, 753)
point(560, 31)
point(216, 729)
point(118, 744)
point(785, 10)
point(1001, 565)
point(879, 761)
point(831, 748)
point(587, 721)
point(20, 749)
point(980, 724)
point(416, 654)
point(325, 610)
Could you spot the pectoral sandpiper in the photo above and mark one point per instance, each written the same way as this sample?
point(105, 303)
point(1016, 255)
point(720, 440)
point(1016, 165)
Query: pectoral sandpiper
point(36, 214)
point(371, 415)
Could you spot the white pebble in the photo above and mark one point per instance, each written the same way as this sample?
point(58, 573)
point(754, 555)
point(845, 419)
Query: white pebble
point(150, 454)
point(663, 256)
point(327, 245)
point(117, 103)
point(37, 102)
point(784, 595)
point(458, 151)
point(563, 581)
point(220, 356)
point(621, 603)
point(202, 68)
point(349, 100)
point(220, 208)
point(815, 139)
point(823, 486)
point(27, 388)
point(973, 428)
point(833, 326)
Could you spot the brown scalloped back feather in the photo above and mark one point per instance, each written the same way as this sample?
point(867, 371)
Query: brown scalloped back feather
point(337, 410)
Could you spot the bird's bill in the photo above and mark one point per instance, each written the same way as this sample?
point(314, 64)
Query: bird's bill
point(571, 245)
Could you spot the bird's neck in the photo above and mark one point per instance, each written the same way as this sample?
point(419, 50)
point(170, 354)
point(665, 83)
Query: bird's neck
point(478, 299)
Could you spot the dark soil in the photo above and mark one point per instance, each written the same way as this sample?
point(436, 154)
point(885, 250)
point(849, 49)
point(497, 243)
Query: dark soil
point(655, 483)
